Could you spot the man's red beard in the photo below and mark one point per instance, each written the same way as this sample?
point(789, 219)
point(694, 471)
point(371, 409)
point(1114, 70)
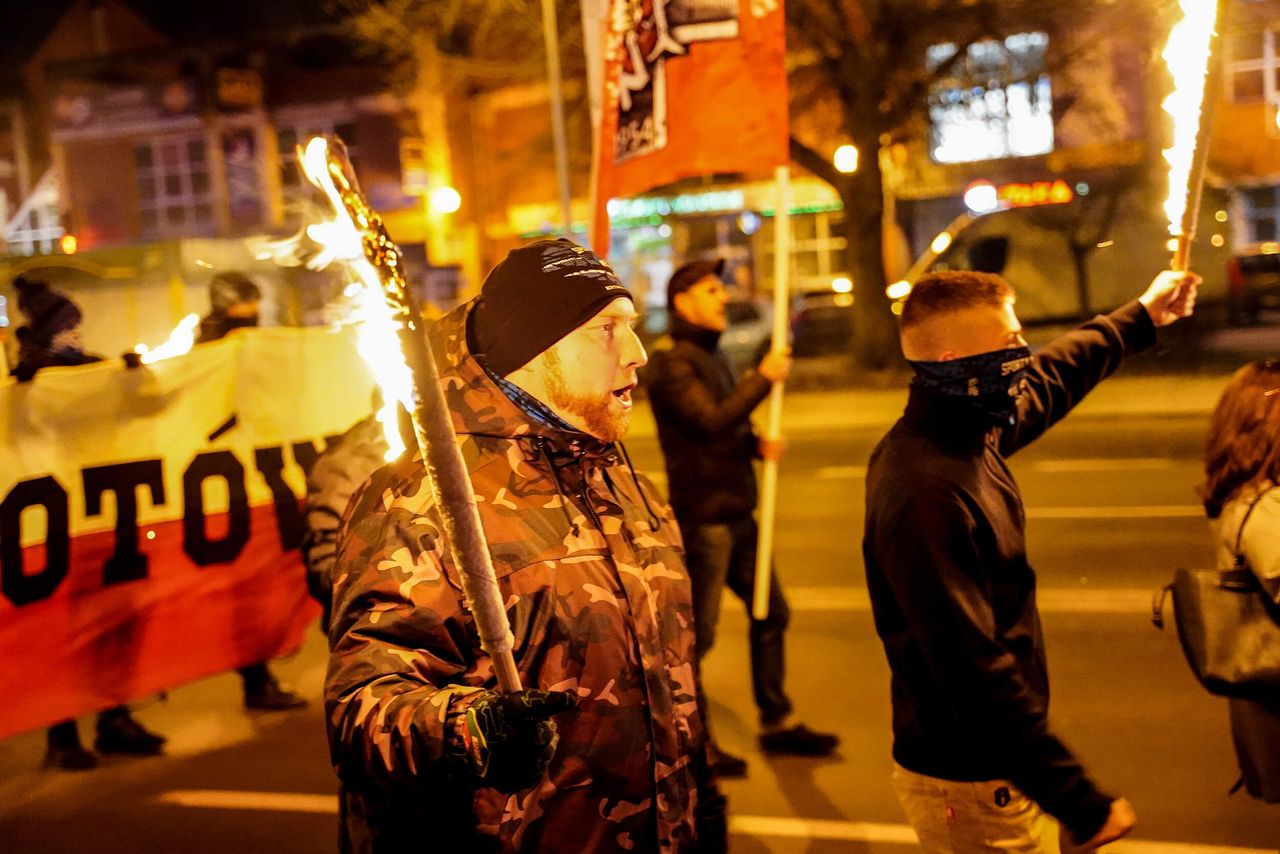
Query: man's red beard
point(592, 411)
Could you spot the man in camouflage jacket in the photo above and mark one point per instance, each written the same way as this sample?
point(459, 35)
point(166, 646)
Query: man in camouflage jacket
point(590, 563)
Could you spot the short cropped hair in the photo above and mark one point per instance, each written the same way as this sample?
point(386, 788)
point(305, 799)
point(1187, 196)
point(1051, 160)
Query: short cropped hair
point(953, 290)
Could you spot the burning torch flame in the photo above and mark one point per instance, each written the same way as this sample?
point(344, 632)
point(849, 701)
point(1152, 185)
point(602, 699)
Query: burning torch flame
point(180, 341)
point(375, 328)
point(1187, 56)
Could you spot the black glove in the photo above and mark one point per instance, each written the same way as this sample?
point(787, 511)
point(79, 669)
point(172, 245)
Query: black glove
point(510, 738)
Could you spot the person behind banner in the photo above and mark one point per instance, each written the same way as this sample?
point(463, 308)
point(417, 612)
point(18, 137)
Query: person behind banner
point(1242, 494)
point(976, 764)
point(703, 413)
point(51, 337)
point(234, 304)
point(603, 750)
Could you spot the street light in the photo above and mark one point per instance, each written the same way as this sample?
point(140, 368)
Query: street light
point(898, 290)
point(445, 200)
point(846, 159)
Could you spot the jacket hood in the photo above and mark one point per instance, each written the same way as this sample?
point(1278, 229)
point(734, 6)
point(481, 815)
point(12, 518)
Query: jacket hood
point(477, 405)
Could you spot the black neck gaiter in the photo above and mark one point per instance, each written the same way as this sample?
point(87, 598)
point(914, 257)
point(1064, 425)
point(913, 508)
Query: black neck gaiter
point(988, 381)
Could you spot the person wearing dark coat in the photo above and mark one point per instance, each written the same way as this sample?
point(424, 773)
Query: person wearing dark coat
point(977, 766)
point(703, 413)
point(51, 338)
point(233, 304)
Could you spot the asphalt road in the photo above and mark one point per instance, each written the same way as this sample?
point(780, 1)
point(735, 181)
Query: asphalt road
point(1111, 512)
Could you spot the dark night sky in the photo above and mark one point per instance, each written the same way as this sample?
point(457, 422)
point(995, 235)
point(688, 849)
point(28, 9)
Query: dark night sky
point(24, 23)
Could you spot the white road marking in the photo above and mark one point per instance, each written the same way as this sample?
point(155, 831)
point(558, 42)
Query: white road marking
point(809, 828)
point(1067, 466)
point(233, 800)
point(1118, 600)
point(902, 834)
point(1136, 511)
point(1103, 464)
point(777, 827)
point(840, 472)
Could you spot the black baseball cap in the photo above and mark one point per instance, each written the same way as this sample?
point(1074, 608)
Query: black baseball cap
point(689, 275)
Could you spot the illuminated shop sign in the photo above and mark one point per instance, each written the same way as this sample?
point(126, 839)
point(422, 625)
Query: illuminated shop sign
point(687, 203)
point(984, 197)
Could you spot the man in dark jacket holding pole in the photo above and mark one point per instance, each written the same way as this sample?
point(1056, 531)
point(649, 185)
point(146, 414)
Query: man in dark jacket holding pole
point(703, 414)
point(977, 766)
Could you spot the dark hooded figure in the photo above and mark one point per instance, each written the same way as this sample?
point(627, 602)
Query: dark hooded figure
point(233, 304)
point(51, 336)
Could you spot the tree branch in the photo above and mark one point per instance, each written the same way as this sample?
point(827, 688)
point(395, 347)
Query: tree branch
point(811, 160)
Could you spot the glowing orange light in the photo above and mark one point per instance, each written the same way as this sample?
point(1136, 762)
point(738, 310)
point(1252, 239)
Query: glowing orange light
point(1187, 56)
point(1023, 195)
point(68, 244)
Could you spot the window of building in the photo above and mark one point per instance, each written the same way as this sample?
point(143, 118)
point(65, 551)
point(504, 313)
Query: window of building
point(996, 102)
point(1262, 212)
point(817, 251)
point(1253, 66)
point(174, 189)
point(36, 225)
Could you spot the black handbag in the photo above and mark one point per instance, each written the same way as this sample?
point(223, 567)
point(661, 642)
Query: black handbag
point(1229, 628)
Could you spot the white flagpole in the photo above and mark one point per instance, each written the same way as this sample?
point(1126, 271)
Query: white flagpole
point(551, 39)
point(773, 427)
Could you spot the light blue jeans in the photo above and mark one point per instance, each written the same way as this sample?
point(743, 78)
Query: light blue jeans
point(952, 817)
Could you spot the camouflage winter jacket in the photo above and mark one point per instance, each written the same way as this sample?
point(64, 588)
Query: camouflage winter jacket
point(590, 561)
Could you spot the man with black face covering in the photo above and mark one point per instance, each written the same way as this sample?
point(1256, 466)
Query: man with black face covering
point(976, 766)
point(233, 304)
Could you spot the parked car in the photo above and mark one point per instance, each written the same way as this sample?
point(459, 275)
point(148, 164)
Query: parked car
point(750, 330)
point(1253, 282)
point(821, 324)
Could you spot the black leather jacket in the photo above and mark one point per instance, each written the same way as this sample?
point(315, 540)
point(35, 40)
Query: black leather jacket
point(704, 425)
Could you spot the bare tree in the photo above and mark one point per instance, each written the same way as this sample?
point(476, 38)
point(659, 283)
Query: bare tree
point(862, 65)
point(859, 74)
point(439, 53)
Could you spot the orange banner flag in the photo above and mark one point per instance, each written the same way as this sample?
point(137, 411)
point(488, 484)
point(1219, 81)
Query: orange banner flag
point(690, 87)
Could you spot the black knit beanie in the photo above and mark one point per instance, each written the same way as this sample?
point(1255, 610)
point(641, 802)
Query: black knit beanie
point(535, 296)
point(48, 311)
